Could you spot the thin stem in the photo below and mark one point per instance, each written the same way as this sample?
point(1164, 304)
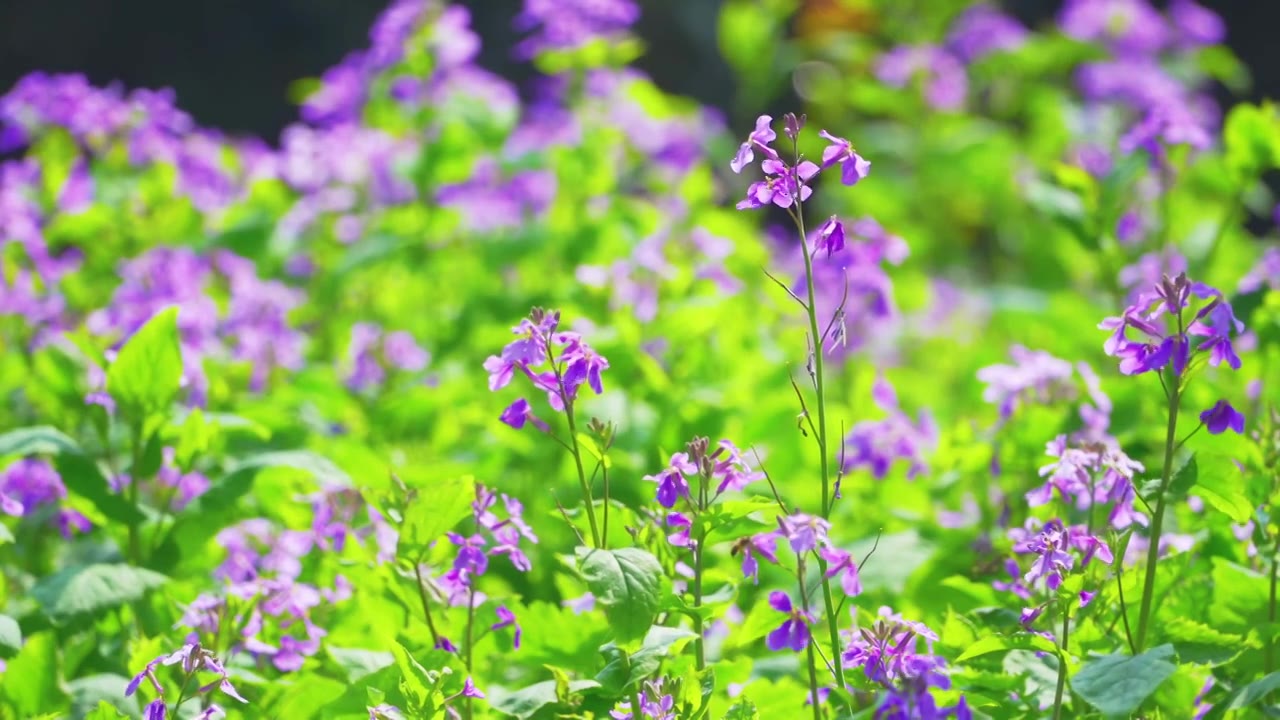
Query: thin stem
point(700, 656)
point(636, 711)
point(1190, 435)
point(468, 645)
point(575, 451)
point(604, 530)
point(182, 693)
point(1124, 609)
point(811, 309)
point(813, 664)
point(1157, 522)
point(1062, 666)
point(426, 603)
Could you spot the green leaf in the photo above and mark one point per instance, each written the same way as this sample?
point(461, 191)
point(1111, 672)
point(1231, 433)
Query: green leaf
point(357, 663)
point(1185, 477)
point(31, 679)
point(81, 476)
point(627, 584)
point(146, 375)
point(622, 671)
point(5, 535)
point(1198, 643)
point(321, 468)
point(435, 510)
point(524, 703)
point(1243, 697)
point(996, 643)
point(88, 694)
point(744, 710)
point(1222, 485)
point(10, 637)
point(1251, 136)
point(1117, 685)
point(38, 440)
point(105, 711)
point(87, 590)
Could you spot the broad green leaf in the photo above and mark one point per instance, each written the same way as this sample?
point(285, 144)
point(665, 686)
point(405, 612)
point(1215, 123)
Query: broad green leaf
point(10, 637)
point(627, 584)
point(435, 510)
point(415, 681)
point(88, 693)
point(1222, 485)
point(1243, 697)
point(526, 702)
point(87, 590)
point(1198, 643)
point(82, 477)
point(996, 643)
point(39, 440)
point(1117, 685)
point(743, 710)
point(31, 679)
point(5, 535)
point(357, 663)
point(146, 375)
point(1185, 477)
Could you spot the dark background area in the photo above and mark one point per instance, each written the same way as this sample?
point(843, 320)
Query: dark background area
point(232, 61)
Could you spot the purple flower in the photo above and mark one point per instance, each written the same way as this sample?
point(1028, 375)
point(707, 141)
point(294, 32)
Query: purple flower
point(853, 167)
point(682, 524)
point(1221, 417)
point(758, 139)
point(520, 412)
point(1267, 272)
point(763, 545)
point(570, 24)
point(877, 444)
point(1034, 376)
point(1159, 346)
point(1128, 27)
point(385, 712)
point(946, 83)
point(831, 236)
point(506, 618)
point(840, 563)
point(982, 30)
point(805, 532)
point(793, 633)
point(783, 186)
point(155, 710)
point(1196, 25)
point(672, 484)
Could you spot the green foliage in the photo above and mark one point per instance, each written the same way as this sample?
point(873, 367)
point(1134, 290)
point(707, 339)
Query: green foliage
point(627, 583)
point(81, 592)
point(146, 375)
point(1117, 685)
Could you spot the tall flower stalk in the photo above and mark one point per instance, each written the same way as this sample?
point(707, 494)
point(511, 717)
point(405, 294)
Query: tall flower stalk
point(788, 187)
point(1158, 334)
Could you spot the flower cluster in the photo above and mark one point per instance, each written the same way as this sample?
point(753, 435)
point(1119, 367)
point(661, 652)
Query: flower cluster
point(28, 485)
point(1056, 548)
point(495, 536)
point(192, 659)
point(786, 185)
point(655, 704)
point(556, 362)
point(1088, 473)
point(569, 24)
point(253, 326)
point(371, 353)
point(888, 653)
point(1034, 376)
point(1166, 329)
point(875, 445)
point(724, 469)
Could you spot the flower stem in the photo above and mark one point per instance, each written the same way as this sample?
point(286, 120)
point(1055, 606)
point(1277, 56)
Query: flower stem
point(469, 642)
point(813, 663)
point(699, 647)
point(1062, 666)
point(426, 605)
point(135, 483)
point(1157, 522)
point(833, 633)
point(636, 710)
point(575, 449)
